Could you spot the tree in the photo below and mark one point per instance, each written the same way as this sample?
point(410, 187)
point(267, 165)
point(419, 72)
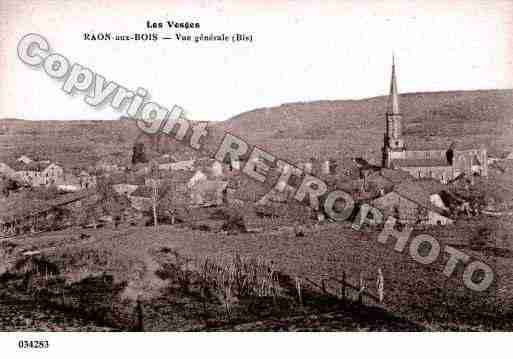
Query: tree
point(138, 153)
point(154, 182)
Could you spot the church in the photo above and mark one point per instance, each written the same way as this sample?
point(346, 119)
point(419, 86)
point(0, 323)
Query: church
point(443, 165)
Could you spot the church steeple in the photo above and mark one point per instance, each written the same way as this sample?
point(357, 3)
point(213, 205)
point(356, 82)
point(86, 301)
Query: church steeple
point(394, 142)
point(393, 99)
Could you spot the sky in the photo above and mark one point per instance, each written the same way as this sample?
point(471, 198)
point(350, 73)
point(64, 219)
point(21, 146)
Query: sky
point(301, 51)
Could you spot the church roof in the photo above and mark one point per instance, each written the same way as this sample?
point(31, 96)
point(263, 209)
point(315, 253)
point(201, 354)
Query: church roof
point(423, 162)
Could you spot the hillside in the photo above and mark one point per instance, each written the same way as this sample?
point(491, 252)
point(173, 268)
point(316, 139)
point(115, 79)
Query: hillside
point(355, 127)
point(295, 131)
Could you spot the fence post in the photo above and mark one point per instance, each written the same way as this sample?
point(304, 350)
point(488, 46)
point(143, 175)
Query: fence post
point(299, 294)
point(139, 309)
point(362, 289)
point(380, 283)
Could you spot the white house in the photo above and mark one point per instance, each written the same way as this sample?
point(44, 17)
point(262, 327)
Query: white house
point(198, 177)
point(53, 174)
point(24, 159)
point(178, 166)
point(125, 188)
point(86, 180)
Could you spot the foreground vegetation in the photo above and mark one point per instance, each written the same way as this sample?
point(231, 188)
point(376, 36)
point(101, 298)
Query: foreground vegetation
point(180, 279)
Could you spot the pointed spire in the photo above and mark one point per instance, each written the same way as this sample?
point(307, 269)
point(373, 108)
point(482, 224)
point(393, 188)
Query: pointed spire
point(393, 99)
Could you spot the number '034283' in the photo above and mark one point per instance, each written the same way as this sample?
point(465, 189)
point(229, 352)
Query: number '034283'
point(33, 344)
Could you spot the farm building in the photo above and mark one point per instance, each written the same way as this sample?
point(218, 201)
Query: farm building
point(196, 178)
point(141, 198)
point(208, 193)
point(53, 174)
point(33, 215)
point(410, 203)
point(86, 180)
point(30, 173)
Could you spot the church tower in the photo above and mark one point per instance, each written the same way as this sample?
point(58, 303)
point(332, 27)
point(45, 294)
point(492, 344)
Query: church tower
point(393, 141)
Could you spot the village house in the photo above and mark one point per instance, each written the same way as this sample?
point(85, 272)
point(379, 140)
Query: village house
point(141, 198)
point(86, 180)
point(32, 216)
point(107, 164)
point(208, 193)
point(36, 173)
point(53, 174)
point(125, 189)
point(29, 173)
point(410, 203)
point(178, 166)
point(24, 159)
point(197, 177)
point(69, 183)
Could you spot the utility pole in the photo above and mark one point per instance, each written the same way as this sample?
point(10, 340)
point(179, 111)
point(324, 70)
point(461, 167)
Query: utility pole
point(155, 200)
point(154, 182)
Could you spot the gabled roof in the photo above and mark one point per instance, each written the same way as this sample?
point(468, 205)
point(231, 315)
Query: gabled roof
point(431, 186)
point(143, 191)
point(380, 181)
point(50, 165)
point(24, 159)
point(208, 191)
point(24, 208)
point(84, 173)
point(396, 176)
point(31, 166)
point(415, 192)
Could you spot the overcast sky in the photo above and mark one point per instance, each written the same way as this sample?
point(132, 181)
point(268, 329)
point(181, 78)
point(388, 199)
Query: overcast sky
point(302, 51)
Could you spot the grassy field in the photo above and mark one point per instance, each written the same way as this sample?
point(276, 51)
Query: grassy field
point(103, 277)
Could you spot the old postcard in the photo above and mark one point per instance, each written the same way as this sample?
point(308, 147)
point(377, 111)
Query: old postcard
point(255, 166)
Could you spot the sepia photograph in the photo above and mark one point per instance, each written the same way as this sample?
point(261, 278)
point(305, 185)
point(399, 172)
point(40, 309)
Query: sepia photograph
point(177, 167)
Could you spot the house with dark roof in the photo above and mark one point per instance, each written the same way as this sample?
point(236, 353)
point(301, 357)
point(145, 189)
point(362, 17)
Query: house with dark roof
point(141, 198)
point(29, 173)
point(7, 171)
